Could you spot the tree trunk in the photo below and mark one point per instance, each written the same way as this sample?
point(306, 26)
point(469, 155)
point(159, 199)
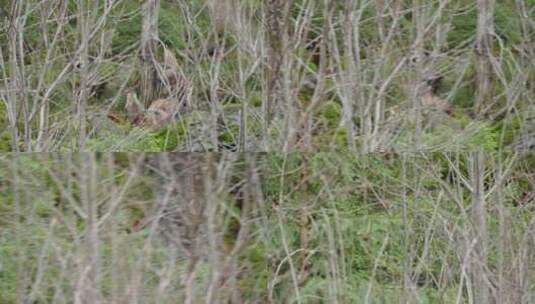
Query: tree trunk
point(276, 16)
point(82, 96)
point(220, 10)
point(418, 82)
point(485, 28)
point(480, 233)
point(149, 37)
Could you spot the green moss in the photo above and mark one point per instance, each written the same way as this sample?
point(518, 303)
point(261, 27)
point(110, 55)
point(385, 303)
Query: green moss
point(486, 138)
point(340, 137)
point(168, 138)
point(255, 100)
point(227, 137)
point(331, 112)
point(5, 137)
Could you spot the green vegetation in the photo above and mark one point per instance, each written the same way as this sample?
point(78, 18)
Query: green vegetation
point(222, 51)
point(383, 151)
point(280, 228)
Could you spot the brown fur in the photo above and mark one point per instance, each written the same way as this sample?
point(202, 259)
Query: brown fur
point(433, 102)
point(172, 85)
point(160, 113)
point(134, 109)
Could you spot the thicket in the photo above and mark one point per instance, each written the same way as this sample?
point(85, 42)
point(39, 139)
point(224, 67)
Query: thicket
point(350, 77)
point(271, 228)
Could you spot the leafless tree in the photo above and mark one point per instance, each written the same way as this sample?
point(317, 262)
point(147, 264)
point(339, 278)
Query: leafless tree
point(276, 20)
point(149, 40)
point(483, 49)
point(480, 234)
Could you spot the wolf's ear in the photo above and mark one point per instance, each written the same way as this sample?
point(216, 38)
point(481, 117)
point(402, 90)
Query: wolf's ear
point(169, 59)
point(134, 109)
